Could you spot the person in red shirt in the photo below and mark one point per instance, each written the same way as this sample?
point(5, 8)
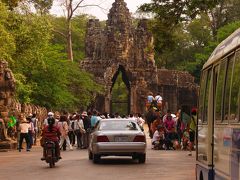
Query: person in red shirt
point(51, 132)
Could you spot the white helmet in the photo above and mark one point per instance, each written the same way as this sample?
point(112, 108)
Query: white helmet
point(50, 114)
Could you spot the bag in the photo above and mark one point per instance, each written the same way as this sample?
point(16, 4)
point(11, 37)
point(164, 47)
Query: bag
point(42, 141)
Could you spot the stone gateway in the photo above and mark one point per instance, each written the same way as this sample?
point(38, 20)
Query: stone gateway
point(121, 47)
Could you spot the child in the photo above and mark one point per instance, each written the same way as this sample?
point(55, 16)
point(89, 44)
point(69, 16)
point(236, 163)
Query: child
point(158, 138)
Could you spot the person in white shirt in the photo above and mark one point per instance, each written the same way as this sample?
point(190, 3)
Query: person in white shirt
point(24, 127)
point(71, 129)
point(158, 138)
point(79, 131)
point(31, 132)
point(63, 126)
point(140, 121)
point(158, 98)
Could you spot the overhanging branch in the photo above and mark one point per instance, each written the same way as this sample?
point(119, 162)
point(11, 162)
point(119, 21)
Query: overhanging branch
point(59, 32)
point(88, 5)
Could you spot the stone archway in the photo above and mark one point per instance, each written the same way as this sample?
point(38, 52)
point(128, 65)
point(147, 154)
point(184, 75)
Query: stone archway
point(122, 47)
point(120, 102)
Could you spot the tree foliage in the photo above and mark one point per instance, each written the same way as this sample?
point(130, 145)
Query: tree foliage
point(43, 74)
point(7, 46)
point(78, 34)
point(186, 32)
point(11, 4)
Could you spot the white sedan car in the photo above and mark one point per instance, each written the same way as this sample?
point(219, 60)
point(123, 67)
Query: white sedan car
point(117, 137)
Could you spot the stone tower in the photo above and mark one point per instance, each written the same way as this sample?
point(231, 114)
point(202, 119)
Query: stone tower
point(122, 47)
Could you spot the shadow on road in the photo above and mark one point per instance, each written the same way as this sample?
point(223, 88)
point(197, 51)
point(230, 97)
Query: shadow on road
point(117, 161)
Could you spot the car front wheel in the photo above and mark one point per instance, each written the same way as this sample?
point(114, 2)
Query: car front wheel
point(142, 158)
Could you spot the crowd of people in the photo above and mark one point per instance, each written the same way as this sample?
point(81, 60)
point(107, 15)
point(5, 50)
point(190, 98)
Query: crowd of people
point(66, 130)
point(172, 131)
point(168, 131)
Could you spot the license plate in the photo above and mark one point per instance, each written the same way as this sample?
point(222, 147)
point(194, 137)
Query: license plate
point(121, 139)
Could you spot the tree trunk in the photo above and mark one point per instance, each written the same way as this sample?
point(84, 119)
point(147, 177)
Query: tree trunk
point(69, 42)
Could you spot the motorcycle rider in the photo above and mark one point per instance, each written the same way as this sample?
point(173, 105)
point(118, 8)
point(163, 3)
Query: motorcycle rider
point(45, 122)
point(52, 133)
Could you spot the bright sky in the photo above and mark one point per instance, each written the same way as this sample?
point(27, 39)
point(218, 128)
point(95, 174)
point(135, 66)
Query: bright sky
point(99, 13)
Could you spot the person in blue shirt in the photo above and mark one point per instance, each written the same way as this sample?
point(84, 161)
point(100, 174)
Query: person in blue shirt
point(94, 119)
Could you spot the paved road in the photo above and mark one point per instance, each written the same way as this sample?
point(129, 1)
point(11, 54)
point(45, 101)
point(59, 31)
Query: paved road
point(164, 165)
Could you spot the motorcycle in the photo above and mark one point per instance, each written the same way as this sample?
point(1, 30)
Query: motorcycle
point(50, 153)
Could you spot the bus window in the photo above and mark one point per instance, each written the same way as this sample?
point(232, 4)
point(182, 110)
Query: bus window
point(235, 93)
point(201, 96)
point(206, 94)
point(219, 91)
point(215, 75)
point(226, 101)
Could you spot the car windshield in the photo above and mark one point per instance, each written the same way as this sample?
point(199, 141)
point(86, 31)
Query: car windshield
point(118, 125)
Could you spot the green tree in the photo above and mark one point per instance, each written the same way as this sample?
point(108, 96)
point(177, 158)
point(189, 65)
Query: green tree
point(71, 7)
point(43, 74)
point(186, 32)
point(11, 4)
point(203, 56)
point(78, 33)
point(7, 45)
